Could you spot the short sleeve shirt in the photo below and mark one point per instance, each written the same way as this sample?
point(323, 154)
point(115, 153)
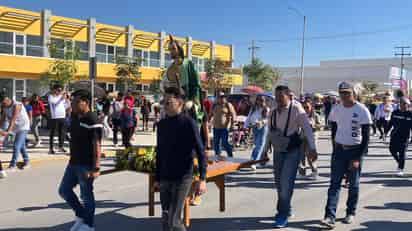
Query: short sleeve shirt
point(222, 114)
point(349, 122)
point(85, 132)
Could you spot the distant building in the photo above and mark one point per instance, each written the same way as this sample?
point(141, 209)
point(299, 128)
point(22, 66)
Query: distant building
point(328, 74)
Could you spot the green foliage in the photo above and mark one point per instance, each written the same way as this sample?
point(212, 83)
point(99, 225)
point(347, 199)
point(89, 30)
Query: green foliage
point(128, 71)
point(63, 69)
point(262, 75)
point(215, 71)
point(369, 87)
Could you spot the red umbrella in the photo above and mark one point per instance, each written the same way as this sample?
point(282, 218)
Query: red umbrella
point(253, 90)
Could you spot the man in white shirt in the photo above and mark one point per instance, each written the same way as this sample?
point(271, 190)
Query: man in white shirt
point(383, 115)
point(350, 122)
point(57, 116)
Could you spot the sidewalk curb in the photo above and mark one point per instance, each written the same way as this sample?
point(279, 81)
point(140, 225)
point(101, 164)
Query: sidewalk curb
point(38, 161)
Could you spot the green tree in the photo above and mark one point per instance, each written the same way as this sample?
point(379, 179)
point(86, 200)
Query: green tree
point(215, 72)
point(154, 87)
point(63, 68)
point(128, 71)
point(369, 87)
point(262, 75)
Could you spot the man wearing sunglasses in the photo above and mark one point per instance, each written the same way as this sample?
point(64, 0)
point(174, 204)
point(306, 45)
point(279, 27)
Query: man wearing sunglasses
point(350, 122)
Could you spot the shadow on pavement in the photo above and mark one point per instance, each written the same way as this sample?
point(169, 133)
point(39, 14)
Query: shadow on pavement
point(106, 204)
point(113, 221)
point(393, 206)
point(385, 225)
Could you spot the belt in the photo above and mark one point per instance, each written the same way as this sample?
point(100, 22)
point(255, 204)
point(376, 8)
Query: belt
point(346, 147)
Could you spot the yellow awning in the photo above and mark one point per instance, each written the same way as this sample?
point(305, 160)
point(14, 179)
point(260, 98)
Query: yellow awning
point(16, 21)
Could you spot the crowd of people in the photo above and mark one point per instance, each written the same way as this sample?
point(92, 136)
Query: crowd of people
point(287, 128)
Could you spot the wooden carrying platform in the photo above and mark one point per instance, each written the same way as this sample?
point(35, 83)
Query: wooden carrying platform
point(215, 173)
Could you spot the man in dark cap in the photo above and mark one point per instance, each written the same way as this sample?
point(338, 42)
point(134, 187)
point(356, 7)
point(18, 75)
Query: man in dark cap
point(401, 122)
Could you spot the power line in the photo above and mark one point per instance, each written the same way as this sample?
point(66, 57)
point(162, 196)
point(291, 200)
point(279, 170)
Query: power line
point(341, 35)
point(253, 50)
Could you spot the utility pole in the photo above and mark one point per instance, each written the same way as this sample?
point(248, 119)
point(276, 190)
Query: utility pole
point(302, 67)
point(403, 53)
point(253, 50)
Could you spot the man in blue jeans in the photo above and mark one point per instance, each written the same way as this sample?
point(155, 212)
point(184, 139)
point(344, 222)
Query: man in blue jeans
point(287, 121)
point(350, 122)
point(84, 164)
point(223, 115)
point(18, 124)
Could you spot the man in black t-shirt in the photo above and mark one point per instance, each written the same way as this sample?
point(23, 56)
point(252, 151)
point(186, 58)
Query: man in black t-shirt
point(84, 164)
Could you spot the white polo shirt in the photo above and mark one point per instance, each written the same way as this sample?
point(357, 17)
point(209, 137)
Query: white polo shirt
point(349, 122)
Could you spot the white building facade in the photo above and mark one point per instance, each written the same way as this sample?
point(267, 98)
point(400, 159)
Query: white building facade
point(328, 74)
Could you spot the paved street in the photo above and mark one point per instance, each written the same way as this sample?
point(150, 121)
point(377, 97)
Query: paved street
point(29, 199)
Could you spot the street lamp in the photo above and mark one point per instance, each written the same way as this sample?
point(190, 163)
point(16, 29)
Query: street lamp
point(302, 68)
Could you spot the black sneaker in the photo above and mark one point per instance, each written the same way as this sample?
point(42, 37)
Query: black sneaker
point(51, 152)
point(62, 150)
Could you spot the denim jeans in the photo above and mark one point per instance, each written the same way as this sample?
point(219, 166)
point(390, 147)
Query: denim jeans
point(259, 136)
point(35, 127)
point(76, 175)
point(285, 169)
point(19, 146)
point(341, 161)
point(222, 135)
point(172, 197)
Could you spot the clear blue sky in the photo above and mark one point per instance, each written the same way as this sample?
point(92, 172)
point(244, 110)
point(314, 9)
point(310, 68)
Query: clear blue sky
point(238, 22)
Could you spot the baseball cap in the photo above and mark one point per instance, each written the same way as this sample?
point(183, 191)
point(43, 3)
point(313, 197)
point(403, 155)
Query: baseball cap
point(345, 87)
point(404, 100)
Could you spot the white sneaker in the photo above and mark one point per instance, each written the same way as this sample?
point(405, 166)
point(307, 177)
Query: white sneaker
point(84, 227)
point(77, 223)
point(3, 174)
point(313, 176)
point(349, 219)
point(253, 167)
point(400, 173)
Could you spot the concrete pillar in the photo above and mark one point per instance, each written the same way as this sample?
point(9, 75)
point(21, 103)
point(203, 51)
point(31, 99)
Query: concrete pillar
point(45, 31)
point(232, 55)
point(162, 41)
point(91, 36)
point(189, 46)
point(212, 50)
point(129, 41)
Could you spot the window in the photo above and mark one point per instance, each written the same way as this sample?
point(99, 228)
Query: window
point(121, 52)
point(58, 48)
point(83, 50)
point(34, 46)
point(110, 54)
point(199, 64)
point(145, 58)
point(168, 59)
point(20, 44)
point(154, 59)
point(101, 53)
point(6, 42)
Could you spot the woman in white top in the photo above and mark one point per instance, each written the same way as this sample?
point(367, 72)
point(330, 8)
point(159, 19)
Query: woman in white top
point(19, 124)
point(257, 120)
